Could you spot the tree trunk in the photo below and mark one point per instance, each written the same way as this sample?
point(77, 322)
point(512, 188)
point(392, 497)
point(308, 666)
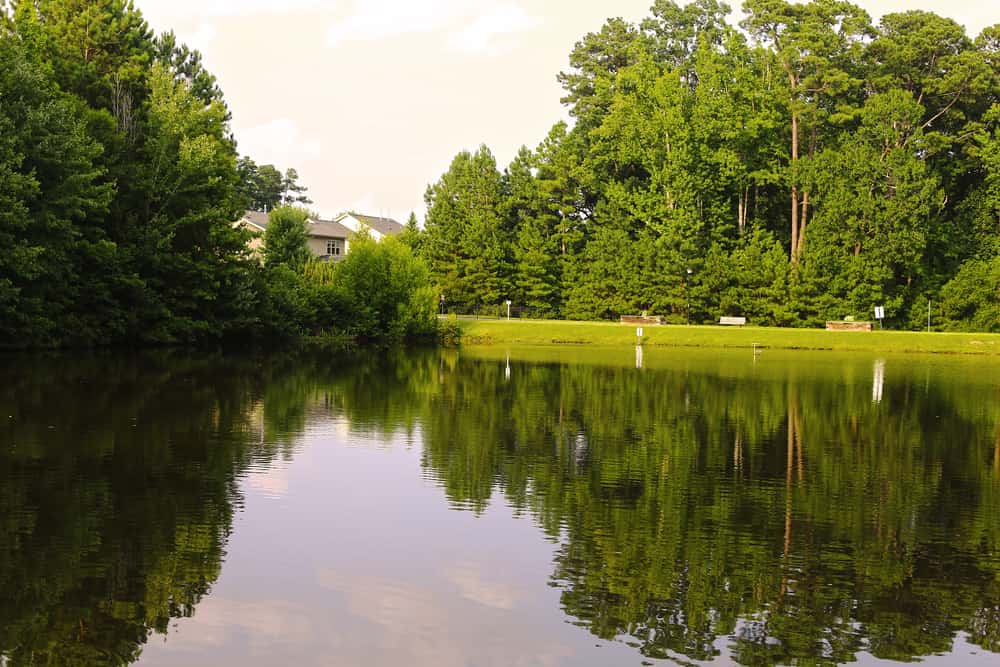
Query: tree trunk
point(802, 224)
point(795, 189)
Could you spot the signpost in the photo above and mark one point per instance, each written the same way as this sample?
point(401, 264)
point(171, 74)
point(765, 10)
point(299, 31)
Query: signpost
point(508, 308)
point(879, 315)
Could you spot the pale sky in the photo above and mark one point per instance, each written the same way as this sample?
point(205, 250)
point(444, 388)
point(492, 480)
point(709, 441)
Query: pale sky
point(371, 99)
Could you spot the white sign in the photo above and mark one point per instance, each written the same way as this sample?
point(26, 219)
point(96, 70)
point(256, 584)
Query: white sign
point(638, 332)
point(879, 313)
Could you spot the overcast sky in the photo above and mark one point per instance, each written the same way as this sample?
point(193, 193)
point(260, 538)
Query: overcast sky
point(370, 99)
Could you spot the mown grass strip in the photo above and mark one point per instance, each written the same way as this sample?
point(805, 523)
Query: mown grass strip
point(550, 332)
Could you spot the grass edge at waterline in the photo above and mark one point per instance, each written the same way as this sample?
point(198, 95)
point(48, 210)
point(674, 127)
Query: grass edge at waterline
point(557, 332)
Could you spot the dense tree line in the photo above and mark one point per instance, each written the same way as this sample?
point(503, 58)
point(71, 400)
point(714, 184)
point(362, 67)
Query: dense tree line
point(805, 166)
point(264, 187)
point(119, 184)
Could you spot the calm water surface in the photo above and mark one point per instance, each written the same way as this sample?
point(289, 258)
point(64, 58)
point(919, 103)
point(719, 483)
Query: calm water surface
point(493, 508)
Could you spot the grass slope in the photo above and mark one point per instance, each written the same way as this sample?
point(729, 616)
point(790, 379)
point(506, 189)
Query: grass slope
point(546, 332)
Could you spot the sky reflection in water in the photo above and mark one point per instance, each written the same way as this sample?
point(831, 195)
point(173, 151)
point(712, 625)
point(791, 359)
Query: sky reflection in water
point(557, 508)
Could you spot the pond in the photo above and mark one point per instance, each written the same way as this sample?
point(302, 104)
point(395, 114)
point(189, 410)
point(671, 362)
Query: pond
point(495, 507)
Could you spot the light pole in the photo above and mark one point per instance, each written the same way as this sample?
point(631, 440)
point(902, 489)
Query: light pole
point(687, 296)
point(508, 308)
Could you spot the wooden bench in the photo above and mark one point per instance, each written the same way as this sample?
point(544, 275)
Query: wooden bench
point(733, 321)
point(847, 325)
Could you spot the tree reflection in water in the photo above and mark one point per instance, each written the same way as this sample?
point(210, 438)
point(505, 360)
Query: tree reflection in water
point(772, 511)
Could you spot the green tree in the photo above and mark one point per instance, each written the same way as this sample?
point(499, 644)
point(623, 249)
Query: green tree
point(267, 188)
point(389, 288)
point(412, 234)
point(192, 260)
point(596, 60)
point(971, 300)
point(286, 242)
point(818, 45)
point(293, 193)
point(52, 274)
point(467, 241)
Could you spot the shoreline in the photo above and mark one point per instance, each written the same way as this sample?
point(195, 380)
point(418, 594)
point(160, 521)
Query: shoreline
point(582, 334)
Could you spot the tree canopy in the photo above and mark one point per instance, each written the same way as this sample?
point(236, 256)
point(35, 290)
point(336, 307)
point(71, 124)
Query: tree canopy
point(120, 184)
point(864, 152)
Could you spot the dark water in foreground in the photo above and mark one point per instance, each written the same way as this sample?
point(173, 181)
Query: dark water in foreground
point(457, 508)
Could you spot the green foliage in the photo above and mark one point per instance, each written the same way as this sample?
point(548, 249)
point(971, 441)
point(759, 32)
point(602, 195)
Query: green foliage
point(467, 243)
point(867, 153)
point(388, 290)
point(188, 170)
point(971, 300)
point(51, 188)
point(119, 188)
point(287, 238)
point(265, 188)
point(380, 291)
point(412, 234)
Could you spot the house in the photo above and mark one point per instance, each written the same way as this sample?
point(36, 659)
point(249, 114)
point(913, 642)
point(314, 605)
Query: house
point(256, 222)
point(379, 228)
point(329, 240)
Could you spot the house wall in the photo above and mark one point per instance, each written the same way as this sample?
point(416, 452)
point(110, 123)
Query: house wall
point(317, 246)
point(256, 242)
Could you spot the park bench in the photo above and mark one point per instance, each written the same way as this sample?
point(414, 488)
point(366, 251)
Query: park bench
point(848, 325)
point(733, 321)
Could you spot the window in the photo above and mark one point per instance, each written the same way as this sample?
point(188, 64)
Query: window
point(334, 247)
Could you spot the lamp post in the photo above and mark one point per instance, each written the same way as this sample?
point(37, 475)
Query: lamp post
point(687, 296)
point(442, 303)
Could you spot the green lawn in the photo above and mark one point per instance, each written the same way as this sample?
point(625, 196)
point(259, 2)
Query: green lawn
point(548, 332)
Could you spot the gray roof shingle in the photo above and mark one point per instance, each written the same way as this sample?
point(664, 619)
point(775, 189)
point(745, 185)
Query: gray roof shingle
point(328, 229)
point(257, 218)
point(384, 226)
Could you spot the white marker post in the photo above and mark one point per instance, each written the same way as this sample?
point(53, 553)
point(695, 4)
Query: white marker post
point(508, 308)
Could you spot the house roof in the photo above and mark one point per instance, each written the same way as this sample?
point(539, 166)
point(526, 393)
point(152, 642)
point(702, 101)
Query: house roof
point(328, 229)
point(384, 226)
point(258, 219)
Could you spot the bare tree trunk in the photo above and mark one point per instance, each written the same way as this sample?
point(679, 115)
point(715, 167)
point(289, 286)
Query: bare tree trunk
point(795, 189)
point(739, 213)
point(802, 224)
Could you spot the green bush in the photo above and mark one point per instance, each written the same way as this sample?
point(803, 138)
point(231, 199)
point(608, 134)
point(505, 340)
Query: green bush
point(388, 289)
point(380, 291)
point(971, 300)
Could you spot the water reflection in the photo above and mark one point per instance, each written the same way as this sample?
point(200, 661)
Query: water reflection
point(760, 509)
point(117, 493)
point(779, 510)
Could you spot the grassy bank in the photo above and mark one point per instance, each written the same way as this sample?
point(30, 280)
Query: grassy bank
point(532, 332)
